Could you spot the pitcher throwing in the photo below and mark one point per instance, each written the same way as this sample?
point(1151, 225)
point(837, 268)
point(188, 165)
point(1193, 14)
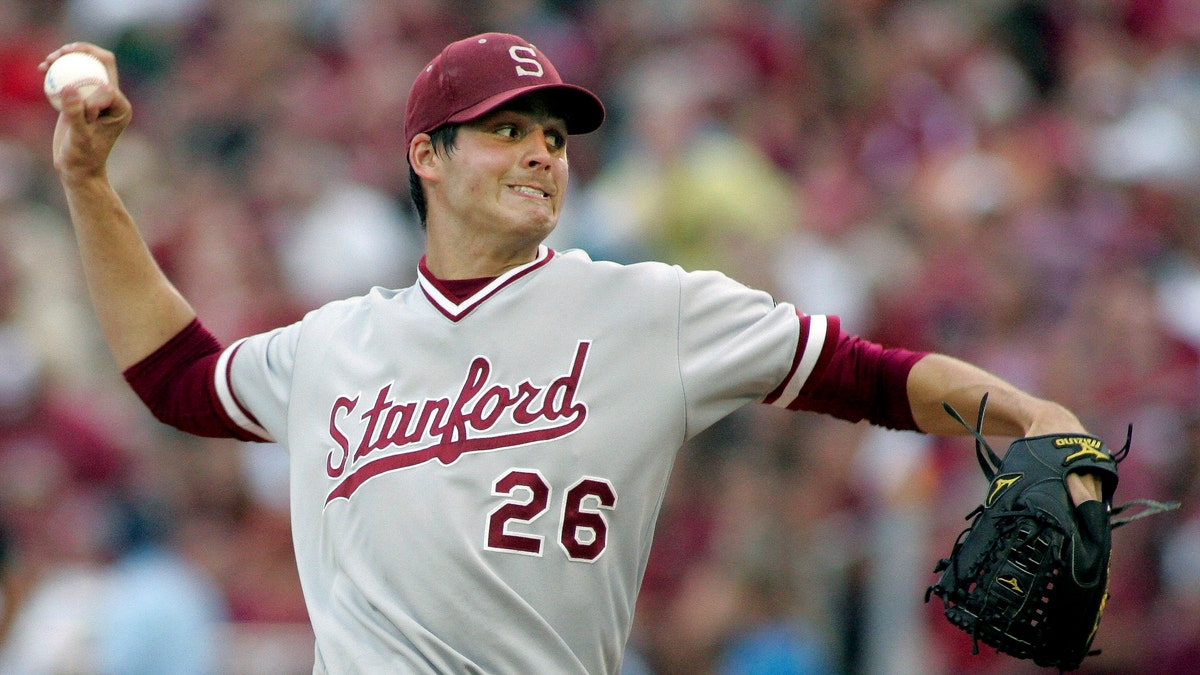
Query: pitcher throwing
point(477, 461)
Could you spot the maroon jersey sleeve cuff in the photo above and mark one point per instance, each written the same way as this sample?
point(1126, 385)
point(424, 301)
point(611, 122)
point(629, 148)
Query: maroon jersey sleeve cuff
point(176, 384)
point(862, 380)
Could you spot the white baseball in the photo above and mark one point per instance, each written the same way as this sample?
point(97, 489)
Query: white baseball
point(81, 69)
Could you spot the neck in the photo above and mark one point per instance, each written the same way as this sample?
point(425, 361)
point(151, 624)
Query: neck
point(467, 267)
point(473, 258)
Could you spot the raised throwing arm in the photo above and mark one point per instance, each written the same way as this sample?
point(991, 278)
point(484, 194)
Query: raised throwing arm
point(137, 306)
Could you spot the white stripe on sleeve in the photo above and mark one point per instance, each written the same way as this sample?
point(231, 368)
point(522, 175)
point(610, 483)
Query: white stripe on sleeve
point(229, 402)
point(817, 326)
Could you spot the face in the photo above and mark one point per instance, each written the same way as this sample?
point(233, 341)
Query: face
point(507, 174)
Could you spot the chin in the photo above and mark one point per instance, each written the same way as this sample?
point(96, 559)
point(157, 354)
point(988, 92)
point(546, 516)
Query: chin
point(540, 225)
point(541, 233)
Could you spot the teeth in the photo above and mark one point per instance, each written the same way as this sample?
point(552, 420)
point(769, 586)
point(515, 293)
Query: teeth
point(529, 191)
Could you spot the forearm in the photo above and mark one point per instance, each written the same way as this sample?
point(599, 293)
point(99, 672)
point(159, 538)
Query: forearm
point(1010, 411)
point(137, 307)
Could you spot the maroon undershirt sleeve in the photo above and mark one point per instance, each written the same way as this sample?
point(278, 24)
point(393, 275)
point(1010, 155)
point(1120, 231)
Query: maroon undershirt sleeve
point(860, 380)
point(176, 384)
point(863, 380)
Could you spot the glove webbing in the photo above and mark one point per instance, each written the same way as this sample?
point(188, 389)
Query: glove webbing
point(1022, 564)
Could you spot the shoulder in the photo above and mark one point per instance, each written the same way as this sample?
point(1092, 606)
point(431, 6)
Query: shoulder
point(576, 262)
point(338, 316)
point(651, 285)
point(358, 304)
point(703, 286)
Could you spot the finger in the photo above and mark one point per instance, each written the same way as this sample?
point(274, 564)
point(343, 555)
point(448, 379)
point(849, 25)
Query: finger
point(65, 49)
point(53, 56)
point(76, 107)
point(73, 108)
point(98, 102)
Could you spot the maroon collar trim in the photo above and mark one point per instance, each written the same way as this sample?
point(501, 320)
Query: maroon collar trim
point(442, 296)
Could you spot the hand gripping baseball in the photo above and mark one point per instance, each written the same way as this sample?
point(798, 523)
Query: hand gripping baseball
point(88, 128)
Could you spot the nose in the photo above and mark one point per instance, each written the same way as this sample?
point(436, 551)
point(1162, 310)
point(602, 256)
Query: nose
point(539, 149)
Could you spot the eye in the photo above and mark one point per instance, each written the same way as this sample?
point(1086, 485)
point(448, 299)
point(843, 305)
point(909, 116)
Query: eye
point(506, 130)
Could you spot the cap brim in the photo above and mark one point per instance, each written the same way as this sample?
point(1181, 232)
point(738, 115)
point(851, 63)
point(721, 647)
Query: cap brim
point(581, 109)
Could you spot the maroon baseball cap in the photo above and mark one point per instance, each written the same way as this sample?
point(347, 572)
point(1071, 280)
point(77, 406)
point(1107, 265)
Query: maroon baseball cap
point(476, 75)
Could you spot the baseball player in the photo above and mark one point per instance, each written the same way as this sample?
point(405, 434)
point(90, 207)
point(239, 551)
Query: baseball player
point(477, 460)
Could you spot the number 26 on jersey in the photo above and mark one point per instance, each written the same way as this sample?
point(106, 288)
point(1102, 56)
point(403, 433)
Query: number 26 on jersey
point(581, 528)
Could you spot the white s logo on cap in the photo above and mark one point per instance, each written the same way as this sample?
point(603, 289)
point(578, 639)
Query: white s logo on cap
point(535, 66)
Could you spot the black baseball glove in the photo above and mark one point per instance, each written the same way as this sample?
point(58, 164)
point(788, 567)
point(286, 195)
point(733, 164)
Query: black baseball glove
point(1029, 576)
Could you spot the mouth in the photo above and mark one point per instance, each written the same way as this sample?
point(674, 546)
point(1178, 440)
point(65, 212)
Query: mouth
point(530, 191)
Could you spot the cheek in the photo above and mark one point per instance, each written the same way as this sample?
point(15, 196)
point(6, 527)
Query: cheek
point(477, 182)
point(562, 173)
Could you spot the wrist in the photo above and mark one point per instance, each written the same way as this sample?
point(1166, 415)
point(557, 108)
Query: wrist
point(1049, 417)
point(87, 191)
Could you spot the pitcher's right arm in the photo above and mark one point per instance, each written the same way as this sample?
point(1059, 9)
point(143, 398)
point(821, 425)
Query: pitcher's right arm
point(137, 307)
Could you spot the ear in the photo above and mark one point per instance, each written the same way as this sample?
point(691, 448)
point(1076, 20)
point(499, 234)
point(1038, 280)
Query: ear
point(422, 158)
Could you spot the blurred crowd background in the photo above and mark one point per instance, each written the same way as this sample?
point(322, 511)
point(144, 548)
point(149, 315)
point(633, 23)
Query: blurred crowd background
point(1013, 182)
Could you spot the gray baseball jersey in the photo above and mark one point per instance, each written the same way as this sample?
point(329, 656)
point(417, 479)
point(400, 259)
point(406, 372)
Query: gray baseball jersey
point(474, 485)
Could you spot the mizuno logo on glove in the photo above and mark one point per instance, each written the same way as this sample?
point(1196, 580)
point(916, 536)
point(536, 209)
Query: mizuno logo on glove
point(1088, 447)
point(999, 485)
point(1012, 583)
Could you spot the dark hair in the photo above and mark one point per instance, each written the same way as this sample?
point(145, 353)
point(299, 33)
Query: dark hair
point(443, 139)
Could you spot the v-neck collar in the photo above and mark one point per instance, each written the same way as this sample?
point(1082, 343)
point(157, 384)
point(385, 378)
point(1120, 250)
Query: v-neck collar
point(445, 302)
